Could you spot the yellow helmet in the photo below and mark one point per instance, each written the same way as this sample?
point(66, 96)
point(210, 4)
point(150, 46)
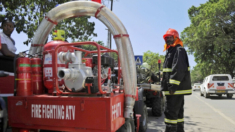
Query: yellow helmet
point(59, 35)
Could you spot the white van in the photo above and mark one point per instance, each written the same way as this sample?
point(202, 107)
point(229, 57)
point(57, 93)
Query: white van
point(218, 84)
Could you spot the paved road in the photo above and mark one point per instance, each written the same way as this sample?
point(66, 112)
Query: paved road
point(202, 115)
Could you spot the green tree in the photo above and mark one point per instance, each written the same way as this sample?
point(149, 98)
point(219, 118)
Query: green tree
point(28, 14)
point(211, 36)
point(152, 59)
point(91, 48)
point(198, 73)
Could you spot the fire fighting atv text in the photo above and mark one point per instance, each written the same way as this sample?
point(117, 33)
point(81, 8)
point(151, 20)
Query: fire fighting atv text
point(81, 95)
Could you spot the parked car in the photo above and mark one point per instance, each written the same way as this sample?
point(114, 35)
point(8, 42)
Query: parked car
point(196, 86)
point(218, 84)
point(234, 81)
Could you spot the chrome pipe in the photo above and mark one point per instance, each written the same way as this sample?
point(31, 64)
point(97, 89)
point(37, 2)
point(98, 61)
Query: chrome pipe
point(147, 86)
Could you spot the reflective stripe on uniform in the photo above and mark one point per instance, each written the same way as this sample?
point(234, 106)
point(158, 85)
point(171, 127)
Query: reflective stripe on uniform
point(180, 120)
point(170, 121)
point(178, 92)
point(148, 78)
point(170, 70)
point(172, 81)
point(167, 70)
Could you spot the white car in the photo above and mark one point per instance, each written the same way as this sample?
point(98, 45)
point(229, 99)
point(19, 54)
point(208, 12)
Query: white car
point(218, 84)
point(196, 86)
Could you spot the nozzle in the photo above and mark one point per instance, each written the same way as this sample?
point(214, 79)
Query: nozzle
point(67, 74)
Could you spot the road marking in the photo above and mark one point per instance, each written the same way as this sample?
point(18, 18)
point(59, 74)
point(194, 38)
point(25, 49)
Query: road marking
point(227, 118)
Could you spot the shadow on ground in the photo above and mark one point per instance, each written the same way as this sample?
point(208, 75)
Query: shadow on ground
point(155, 124)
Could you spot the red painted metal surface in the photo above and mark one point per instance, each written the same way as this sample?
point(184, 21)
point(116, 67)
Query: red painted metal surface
point(7, 85)
point(37, 86)
point(48, 63)
point(98, 1)
point(159, 61)
point(137, 95)
point(63, 113)
point(24, 87)
point(23, 130)
point(138, 122)
point(87, 61)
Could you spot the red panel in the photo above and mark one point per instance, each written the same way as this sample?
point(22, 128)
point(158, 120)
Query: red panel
point(98, 1)
point(102, 114)
point(7, 85)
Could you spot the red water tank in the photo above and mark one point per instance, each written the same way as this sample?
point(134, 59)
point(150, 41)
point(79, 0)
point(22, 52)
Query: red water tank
point(48, 63)
point(36, 65)
point(24, 87)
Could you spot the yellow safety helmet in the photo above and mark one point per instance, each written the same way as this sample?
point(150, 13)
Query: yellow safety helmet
point(59, 35)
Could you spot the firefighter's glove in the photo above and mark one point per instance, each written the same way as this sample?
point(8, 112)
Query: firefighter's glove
point(171, 88)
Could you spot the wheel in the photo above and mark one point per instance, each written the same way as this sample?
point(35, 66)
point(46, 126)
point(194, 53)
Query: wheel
point(144, 123)
point(201, 93)
point(206, 95)
point(157, 108)
point(129, 126)
point(229, 96)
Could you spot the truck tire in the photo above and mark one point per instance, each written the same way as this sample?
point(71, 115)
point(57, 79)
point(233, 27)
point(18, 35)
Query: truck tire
point(157, 108)
point(129, 126)
point(144, 123)
point(201, 93)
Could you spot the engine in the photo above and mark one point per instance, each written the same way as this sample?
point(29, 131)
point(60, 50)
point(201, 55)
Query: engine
point(78, 71)
point(74, 76)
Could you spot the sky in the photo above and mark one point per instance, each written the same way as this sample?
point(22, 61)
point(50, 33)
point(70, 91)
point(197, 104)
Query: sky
point(146, 21)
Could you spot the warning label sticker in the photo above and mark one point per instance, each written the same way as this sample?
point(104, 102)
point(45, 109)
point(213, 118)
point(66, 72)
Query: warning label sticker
point(48, 71)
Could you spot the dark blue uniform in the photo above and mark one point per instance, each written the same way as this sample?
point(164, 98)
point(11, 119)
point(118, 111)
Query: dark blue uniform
point(176, 78)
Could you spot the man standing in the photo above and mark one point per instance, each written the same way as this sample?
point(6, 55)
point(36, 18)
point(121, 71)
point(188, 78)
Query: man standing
point(176, 81)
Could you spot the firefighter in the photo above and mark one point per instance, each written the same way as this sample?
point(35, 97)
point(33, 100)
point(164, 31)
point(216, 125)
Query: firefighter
point(176, 81)
point(144, 74)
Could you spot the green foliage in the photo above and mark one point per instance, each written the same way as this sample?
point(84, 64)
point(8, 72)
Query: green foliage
point(28, 14)
point(91, 48)
point(211, 37)
point(152, 59)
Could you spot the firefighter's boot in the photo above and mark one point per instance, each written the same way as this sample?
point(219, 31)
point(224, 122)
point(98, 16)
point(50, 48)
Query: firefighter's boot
point(180, 127)
point(171, 128)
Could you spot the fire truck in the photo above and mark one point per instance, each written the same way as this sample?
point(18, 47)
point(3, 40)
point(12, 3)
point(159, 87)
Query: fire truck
point(59, 88)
